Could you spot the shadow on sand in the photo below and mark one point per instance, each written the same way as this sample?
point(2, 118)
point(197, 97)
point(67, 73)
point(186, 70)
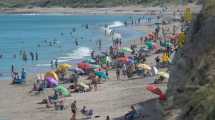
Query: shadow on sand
point(149, 110)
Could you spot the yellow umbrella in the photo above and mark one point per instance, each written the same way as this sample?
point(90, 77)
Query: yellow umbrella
point(144, 66)
point(164, 74)
point(51, 74)
point(64, 67)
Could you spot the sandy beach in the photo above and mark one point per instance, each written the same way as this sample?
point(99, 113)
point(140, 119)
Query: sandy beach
point(113, 98)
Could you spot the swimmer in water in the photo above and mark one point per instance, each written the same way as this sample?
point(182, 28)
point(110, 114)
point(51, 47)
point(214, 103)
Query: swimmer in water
point(76, 42)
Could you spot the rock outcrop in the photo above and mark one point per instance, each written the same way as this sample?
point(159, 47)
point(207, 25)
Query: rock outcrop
point(191, 89)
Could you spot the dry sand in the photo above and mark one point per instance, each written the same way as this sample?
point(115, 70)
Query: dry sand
point(112, 98)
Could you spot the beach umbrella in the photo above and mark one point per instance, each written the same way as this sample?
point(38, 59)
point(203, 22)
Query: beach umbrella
point(154, 89)
point(99, 69)
point(125, 49)
point(149, 44)
point(155, 46)
point(77, 70)
point(144, 66)
point(164, 74)
point(90, 60)
point(51, 74)
point(64, 67)
point(52, 81)
point(63, 90)
point(84, 66)
point(85, 86)
point(101, 75)
point(95, 66)
point(155, 70)
point(123, 59)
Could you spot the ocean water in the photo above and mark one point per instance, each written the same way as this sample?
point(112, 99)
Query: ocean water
point(33, 33)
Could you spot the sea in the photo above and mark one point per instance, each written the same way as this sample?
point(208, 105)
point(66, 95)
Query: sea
point(53, 36)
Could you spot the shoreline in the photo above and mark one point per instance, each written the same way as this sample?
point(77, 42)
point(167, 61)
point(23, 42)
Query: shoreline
point(133, 10)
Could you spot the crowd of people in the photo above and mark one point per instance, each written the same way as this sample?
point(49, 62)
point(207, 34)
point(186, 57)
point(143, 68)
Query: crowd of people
point(125, 61)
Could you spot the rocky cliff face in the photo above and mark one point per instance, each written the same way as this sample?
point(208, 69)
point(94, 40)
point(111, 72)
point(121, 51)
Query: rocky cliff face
point(191, 88)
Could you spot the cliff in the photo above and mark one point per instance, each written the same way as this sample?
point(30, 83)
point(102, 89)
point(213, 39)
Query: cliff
point(191, 89)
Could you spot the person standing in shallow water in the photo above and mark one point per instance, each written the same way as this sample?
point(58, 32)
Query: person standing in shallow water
point(56, 63)
point(24, 57)
point(36, 56)
point(32, 56)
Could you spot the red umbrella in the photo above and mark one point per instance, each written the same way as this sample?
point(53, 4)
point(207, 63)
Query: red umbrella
point(154, 89)
point(123, 59)
point(84, 66)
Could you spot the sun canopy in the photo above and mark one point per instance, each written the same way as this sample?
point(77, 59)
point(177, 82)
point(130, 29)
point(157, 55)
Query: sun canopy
point(51, 74)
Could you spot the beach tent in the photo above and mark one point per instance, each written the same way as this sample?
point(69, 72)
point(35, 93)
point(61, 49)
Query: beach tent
point(63, 90)
point(102, 75)
point(51, 74)
point(144, 66)
point(52, 82)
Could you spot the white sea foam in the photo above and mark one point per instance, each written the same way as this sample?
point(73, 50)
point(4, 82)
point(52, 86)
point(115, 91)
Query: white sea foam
point(79, 53)
point(42, 65)
point(111, 26)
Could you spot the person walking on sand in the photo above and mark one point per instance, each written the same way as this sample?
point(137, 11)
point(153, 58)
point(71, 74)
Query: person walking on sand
point(74, 106)
point(118, 73)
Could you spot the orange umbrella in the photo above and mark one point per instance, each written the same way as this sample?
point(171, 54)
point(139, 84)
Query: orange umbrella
point(84, 66)
point(123, 59)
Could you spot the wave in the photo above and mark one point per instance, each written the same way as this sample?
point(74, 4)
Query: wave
point(116, 24)
point(109, 30)
point(79, 53)
point(42, 65)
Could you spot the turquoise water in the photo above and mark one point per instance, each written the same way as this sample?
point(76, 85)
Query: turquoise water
point(29, 33)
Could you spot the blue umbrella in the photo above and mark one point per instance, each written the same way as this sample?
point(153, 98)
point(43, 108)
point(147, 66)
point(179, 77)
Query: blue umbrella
point(102, 75)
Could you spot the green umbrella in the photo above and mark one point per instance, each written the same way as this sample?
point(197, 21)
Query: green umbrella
point(63, 90)
point(149, 44)
point(126, 49)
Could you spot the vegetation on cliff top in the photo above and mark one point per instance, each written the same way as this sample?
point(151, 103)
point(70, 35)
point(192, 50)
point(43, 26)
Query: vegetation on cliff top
point(80, 3)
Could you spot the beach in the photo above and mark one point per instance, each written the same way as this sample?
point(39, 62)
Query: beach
point(113, 97)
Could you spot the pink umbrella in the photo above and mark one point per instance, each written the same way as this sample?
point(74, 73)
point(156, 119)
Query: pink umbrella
point(52, 81)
